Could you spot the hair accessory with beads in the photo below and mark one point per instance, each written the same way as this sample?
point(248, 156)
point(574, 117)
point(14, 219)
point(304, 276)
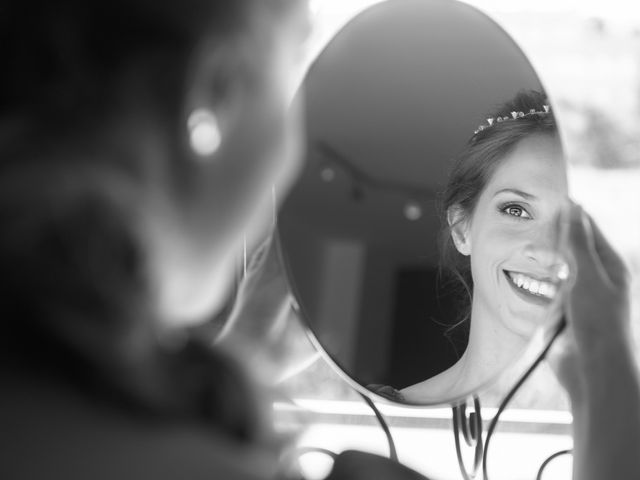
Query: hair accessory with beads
point(514, 116)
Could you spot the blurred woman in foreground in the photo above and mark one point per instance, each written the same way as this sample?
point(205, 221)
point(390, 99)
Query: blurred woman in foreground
point(139, 141)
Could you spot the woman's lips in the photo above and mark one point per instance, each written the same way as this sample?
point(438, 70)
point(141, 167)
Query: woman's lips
point(530, 286)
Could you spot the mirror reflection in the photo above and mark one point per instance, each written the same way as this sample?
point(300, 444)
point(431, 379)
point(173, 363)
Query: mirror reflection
point(422, 254)
point(502, 201)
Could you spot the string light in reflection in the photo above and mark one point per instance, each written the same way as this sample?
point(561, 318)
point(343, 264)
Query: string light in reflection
point(327, 174)
point(363, 186)
point(412, 211)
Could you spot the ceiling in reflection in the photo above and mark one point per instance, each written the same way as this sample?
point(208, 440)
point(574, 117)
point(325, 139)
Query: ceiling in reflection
point(389, 102)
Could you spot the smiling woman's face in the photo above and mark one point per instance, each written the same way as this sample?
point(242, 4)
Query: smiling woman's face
point(511, 237)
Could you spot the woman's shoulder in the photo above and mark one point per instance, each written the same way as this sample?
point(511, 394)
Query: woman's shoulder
point(387, 392)
point(73, 436)
point(435, 389)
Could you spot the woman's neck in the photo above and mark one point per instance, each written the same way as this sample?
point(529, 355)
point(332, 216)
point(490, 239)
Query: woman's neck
point(492, 347)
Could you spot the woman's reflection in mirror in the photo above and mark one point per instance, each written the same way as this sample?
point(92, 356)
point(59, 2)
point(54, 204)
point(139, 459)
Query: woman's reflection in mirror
point(500, 205)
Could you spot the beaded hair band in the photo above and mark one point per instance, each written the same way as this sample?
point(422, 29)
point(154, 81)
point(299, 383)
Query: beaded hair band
point(514, 116)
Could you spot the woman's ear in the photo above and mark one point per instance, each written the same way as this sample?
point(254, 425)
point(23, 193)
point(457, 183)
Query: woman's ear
point(214, 98)
point(459, 226)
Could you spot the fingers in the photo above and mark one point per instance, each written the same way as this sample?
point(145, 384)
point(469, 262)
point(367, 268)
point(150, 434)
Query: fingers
point(273, 266)
point(562, 360)
point(609, 258)
point(595, 260)
point(597, 307)
point(265, 263)
point(259, 254)
point(266, 284)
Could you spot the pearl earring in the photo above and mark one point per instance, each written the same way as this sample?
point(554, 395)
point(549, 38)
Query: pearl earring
point(204, 132)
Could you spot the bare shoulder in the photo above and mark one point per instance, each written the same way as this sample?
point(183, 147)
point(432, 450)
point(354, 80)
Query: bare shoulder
point(435, 388)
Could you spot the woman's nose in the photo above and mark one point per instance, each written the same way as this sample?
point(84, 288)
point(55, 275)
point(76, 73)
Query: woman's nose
point(544, 255)
point(544, 247)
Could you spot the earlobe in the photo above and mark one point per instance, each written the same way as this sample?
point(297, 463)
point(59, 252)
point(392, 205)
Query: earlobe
point(204, 133)
point(459, 225)
point(211, 104)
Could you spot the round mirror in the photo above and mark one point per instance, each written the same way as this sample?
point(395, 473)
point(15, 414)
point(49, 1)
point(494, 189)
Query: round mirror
point(392, 100)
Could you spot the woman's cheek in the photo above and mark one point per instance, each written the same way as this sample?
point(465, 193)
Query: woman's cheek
point(506, 237)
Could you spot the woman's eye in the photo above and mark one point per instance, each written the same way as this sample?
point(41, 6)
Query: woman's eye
point(516, 211)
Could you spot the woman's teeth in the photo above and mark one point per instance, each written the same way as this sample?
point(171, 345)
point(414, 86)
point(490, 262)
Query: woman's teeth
point(531, 285)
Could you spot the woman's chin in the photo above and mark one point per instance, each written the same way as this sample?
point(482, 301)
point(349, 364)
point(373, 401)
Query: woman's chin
point(527, 312)
point(525, 320)
point(196, 298)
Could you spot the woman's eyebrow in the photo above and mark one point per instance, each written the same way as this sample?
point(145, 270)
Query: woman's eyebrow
point(525, 195)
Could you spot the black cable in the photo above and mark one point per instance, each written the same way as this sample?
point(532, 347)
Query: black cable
point(494, 421)
point(393, 455)
point(548, 460)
